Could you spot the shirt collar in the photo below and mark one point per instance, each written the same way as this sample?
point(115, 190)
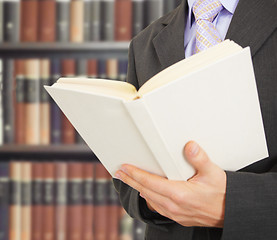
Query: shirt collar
point(229, 5)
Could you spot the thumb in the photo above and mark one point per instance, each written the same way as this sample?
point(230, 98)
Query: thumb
point(198, 158)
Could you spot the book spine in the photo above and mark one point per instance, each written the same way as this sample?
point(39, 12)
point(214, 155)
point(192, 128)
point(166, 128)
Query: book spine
point(87, 20)
point(19, 103)
point(95, 31)
point(15, 200)
point(68, 131)
point(113, 211)
point(123, 20)
point(29, 20)
point(4, 200)
point(26, 193)
point(7, 101)
point(77, 21)
point(48, 211)
point(126, 225)
point(63, 20)
point(88, 201)
point(138, 16)
point(107, 20)
point(101, 202)
point(168, 6)
point(32, 128)
point(61, 201)
point(11, 10)
point(112, 69)
point(47, 20)
point(37, 190)
point(75, 217)
point(101, 69)
point(122, 69)
point(1, 21)
point(56, 114)
point(154, 10)
point(44, 102)
point(92, 68)
point(138, 230)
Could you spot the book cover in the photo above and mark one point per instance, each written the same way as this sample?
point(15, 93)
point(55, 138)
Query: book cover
point(112, 69)
point(29, 21)
point(48, 199)
point(95, 31)
point(61, 171)
point(37, 192)
point(11, 10)
point(56, 114)
point(68, 68)
point(15, 201)
point(153, 10)
point(87, 20)
point(147, 129)
point(88, 201)
point(19, 108)
point(107, 20)
point(123, 20)
point(77, 21)
point(138, 16)
point(4, 200)
point(44, 108)
point(26, 198)
point(63, 20)
point(75, 205)
point(32, 113)
point(8, 101)
point(92, 68)
point(122, 70)
point(102, 68)
point(101, 194)
point(47, 20)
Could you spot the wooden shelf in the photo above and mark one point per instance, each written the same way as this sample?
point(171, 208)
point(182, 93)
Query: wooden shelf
point(47, 152)
point(103, 50)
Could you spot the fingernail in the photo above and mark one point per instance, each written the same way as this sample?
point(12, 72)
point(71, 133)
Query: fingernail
point(194, 149)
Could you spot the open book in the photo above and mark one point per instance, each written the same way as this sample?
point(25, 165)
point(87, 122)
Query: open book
point(210, 97)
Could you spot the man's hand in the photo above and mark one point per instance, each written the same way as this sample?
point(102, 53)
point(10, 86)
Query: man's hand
point(200, 201)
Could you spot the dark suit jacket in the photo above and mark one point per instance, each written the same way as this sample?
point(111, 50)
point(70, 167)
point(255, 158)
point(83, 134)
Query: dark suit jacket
point(251, 197)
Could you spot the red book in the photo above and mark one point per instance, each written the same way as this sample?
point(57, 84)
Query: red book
point(48, 209)
point(92, 68)
point(88, 190)
point(47, 20)
point(68, 131)
point(123, 20)
point(29, 20)
point(37, 176)
point(101, 226)
point(75, 213)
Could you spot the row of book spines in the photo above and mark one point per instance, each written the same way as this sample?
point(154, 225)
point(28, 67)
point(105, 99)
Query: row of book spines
point(66, 201)
point(30, 117)
point(78, 20)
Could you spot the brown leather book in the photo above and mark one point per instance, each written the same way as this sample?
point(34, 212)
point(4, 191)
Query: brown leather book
point(29, 20)
point(68, 131)
point(92, 68)
point(44, 102)
point(48, 209)
point(61, 201)
point(47, 20)
point(101, 202)
point(77, 21)
point(15, 201)
point(32, 129)
point(19, 102)
point(112, 69)
point(26, 193)
point(88, 201)
point(123, 20)
point(37, 217)
point(75, 213)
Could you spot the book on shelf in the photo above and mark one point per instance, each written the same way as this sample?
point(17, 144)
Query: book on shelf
point(200, 98)
point(107, 20)
point(153, 10)
point(77, 21)
point(4, 200)
point(62, 20)
point(137, 16)
point(95, 28)
point(123, 20)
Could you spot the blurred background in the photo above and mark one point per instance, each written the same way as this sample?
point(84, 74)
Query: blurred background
point(52, 187)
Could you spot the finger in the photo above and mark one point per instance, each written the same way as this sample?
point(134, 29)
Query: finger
point(198, 158)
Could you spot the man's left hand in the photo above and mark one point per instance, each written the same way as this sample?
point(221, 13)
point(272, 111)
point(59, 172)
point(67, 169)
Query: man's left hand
point(200, 201)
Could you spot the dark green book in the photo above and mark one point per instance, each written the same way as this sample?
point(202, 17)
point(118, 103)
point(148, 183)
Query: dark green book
point(11, 10)
point(63, 20)
point(138, 16)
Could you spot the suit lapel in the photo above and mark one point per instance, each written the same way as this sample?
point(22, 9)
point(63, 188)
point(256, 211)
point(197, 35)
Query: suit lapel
point(252, 23)
point(169, 43)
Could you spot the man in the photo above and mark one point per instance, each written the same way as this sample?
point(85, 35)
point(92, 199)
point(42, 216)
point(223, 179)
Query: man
point(213, 204)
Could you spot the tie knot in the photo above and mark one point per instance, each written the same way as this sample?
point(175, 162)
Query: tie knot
point(206, 9)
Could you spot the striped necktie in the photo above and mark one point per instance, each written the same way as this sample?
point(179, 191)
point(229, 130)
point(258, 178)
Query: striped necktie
point(206, 34)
